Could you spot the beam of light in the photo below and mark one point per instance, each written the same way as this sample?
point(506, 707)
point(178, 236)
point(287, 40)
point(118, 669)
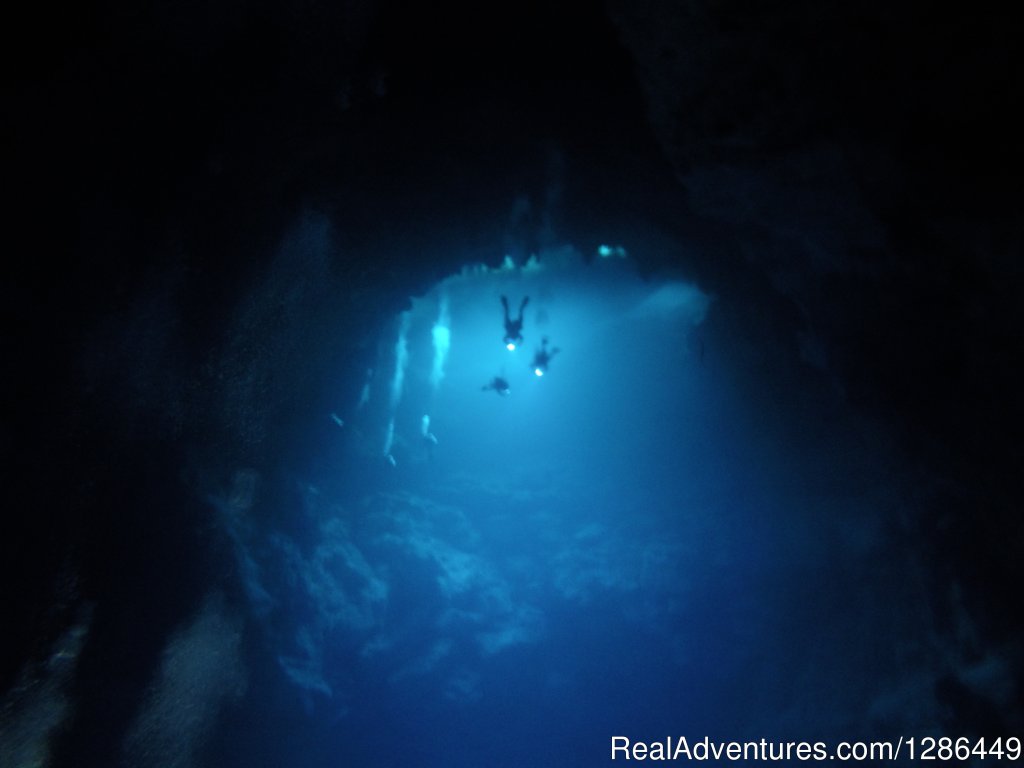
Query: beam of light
point(441, 334)
point(389, 440)
point(397, 383)
point(364, 395)
point(401, 361)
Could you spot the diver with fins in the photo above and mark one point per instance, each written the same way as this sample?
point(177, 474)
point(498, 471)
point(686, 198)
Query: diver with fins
point(514, 327)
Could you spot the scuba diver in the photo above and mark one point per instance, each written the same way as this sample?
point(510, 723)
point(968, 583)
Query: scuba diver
point(499, 385)
point(514, 328)
point(542, 357)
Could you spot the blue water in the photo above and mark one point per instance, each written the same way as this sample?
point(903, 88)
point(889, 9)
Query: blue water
point(653, 539)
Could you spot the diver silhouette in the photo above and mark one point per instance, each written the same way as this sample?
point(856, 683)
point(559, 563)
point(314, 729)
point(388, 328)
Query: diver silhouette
point(542, 357)
point(499, 385)
point(514, 328)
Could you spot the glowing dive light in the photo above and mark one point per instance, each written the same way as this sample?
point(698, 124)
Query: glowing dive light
point(539, 371)
point(510, 347)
